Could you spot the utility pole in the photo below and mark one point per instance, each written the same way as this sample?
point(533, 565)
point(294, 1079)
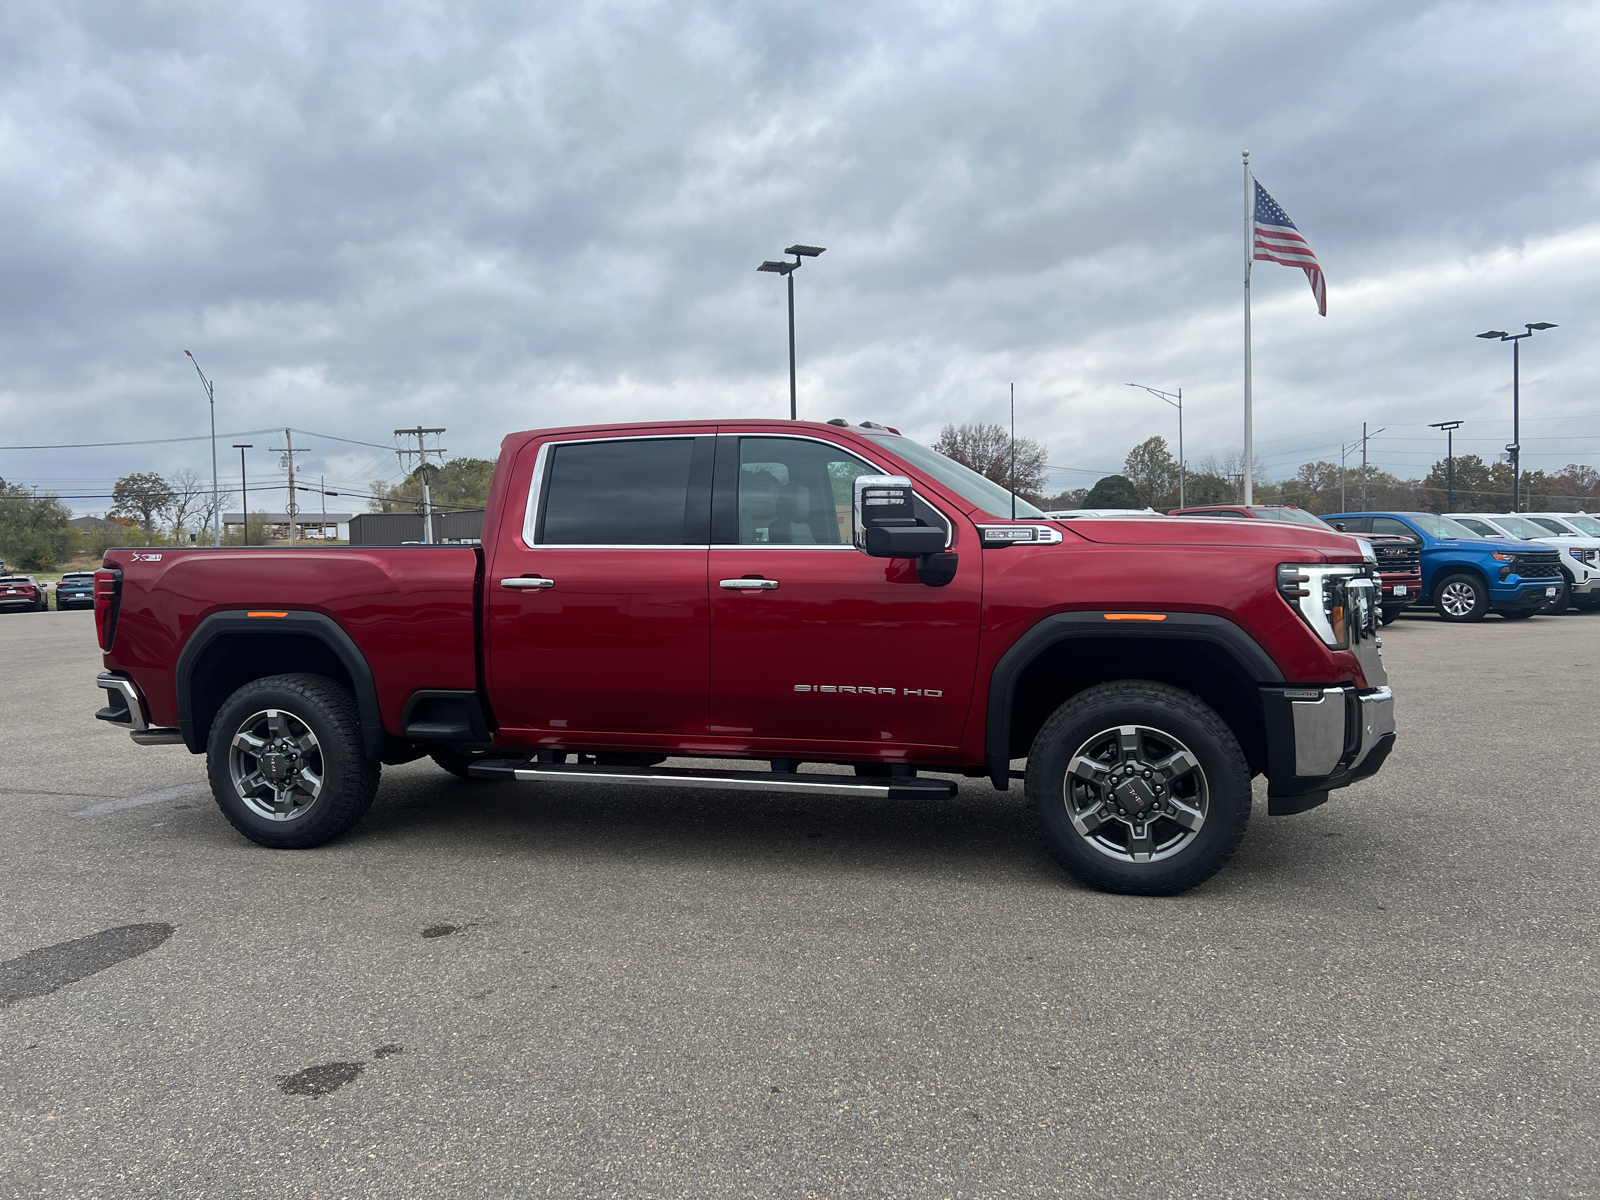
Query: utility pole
point(244, 490)
point(288, 451)
point(1364, 436)
point(1449, 428)
point(216, 492)
point(422, 451)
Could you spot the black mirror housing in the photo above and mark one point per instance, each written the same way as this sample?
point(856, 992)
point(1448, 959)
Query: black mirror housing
point(902, 542)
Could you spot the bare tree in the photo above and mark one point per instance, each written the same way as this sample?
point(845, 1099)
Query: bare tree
point(190, 497)
point(987, 450)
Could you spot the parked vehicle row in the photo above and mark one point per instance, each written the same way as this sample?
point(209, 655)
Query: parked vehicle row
point(23, 593)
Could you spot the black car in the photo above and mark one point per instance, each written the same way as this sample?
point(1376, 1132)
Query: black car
point(76, 590)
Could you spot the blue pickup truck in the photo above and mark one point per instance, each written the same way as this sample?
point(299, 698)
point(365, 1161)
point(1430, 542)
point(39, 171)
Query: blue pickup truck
point(1465, 575)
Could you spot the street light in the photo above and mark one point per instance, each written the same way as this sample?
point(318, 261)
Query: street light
point(244, 490)
point(1449, 428)
point(787, 270)
point(216, 492)
point(1515, 449)
point(1176, 400)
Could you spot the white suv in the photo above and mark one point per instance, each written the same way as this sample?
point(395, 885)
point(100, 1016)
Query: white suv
point(1580, 552)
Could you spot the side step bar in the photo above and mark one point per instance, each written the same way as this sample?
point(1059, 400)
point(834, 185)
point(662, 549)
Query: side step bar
point(877, 787)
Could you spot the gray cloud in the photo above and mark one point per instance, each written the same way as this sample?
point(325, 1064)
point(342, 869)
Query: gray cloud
point(499, 216)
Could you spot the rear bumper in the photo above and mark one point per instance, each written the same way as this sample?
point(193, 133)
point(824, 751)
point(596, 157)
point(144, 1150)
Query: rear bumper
point(125, 707)
point(22, 603)
point(1322, 738)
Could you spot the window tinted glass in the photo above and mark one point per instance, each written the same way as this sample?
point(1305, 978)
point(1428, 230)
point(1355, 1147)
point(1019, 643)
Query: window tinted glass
point(631, 493)
point(1552, 526)
point(1292, 516)
point(794, 492)
point(1390, 525)
point(1477, 526)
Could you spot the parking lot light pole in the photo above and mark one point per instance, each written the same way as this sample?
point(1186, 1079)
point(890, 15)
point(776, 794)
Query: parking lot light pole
point(1515, 448)
point(1449, 428)
point(787, 270)
point(1176, 400)
point(244, 491)
point(216, 492)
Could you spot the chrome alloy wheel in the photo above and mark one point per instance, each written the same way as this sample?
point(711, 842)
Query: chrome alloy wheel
point(275, 762)
point(1136, 794)
point(1458, 599)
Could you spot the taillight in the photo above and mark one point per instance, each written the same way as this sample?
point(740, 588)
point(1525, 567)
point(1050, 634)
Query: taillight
point(107, 594)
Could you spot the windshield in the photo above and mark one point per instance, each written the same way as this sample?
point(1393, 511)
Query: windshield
point(1585, 523)
point(1439, 527)
point(1292, 516)
point(1522, 527)
point(965, 482)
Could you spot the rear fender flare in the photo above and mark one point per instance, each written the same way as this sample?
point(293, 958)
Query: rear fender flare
point(1254, 662)
point(317, 626)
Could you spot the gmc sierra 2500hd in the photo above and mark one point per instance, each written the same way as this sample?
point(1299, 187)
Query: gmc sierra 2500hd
point(784, 593)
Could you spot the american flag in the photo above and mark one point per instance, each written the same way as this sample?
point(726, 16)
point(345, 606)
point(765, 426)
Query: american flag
point(1277, 240)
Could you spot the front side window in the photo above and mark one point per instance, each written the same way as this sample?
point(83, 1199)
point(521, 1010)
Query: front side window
point(1481, 528)
point(1553, 526)
point(796, 493)
point(616, 493)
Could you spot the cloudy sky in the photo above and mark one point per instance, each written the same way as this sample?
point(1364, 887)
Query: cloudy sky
point(497, 216)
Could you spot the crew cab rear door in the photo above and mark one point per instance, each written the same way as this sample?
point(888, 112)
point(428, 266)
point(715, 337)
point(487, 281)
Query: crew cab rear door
point(813, 641)
point(596, 615)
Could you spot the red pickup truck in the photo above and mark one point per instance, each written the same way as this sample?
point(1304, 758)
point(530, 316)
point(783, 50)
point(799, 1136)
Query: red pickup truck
point(782, 593)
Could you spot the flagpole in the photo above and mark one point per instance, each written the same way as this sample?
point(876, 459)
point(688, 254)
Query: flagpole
point(1249, 431)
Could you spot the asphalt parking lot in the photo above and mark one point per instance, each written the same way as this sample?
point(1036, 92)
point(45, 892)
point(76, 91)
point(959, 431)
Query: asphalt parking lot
point(489, 990)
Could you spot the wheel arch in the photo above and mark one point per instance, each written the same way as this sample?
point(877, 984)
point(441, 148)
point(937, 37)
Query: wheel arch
point(229, 649)
point(1444, 570)
point(1065, 653)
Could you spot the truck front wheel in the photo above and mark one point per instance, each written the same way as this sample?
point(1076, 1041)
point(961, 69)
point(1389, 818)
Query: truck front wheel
point(1461, 598)
point(285, 761)
point(1141, 788)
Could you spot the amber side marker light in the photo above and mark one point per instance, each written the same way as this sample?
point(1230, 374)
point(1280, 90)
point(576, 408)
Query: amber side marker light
point(266, 614)
point(1135, 616)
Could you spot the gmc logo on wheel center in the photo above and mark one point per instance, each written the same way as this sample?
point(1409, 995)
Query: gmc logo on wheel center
point(927, 693)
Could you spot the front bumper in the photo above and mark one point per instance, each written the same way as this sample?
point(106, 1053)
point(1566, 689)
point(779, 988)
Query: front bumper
point(1526, 595)
point(1322, 738)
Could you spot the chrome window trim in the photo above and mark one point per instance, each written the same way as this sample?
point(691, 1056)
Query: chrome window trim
point(541, 463)
point(530, 514)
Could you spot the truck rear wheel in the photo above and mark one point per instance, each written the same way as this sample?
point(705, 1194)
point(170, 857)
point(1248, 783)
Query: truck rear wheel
point(1141, 787)
point(285, 761)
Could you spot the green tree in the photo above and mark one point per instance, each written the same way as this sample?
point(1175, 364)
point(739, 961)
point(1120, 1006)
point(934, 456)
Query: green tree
point(144, 496)
point(987, 450)
point(461, 483)
point(1153, 472)
point(36, 533)
point(1114, 491)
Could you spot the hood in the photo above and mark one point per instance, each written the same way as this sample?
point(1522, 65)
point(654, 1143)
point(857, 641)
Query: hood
point(1179, 531)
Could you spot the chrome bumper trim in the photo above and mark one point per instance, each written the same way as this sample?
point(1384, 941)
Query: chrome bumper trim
point(129, 692)
point(1377, 721)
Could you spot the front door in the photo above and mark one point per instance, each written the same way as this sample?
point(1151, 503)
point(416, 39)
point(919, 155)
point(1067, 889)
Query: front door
point(812, 640)
point(597, 620)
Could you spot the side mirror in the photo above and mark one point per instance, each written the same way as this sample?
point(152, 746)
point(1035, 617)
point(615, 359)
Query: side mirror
point(1339, 525)
point(886, 523)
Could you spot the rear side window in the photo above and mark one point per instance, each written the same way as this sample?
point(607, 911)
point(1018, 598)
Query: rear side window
point(619, 493)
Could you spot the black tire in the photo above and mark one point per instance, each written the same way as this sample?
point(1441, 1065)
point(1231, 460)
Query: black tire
point(1461, 597)
point(347, 780)
point(1389, 614)
point(1163, 721)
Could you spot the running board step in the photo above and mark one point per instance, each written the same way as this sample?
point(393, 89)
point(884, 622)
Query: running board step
point(878, 787)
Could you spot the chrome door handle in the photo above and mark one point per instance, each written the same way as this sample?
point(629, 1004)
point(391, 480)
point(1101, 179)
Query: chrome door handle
point(755, 585)
point(523, 583)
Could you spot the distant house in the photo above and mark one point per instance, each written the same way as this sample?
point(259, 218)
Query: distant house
point(95, 526)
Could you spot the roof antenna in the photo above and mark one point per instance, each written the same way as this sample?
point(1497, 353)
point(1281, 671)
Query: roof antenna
point(1013, 452)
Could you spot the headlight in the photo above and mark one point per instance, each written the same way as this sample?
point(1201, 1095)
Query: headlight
point(1367, 551)
point(1502, 556)
point(1336, 601)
